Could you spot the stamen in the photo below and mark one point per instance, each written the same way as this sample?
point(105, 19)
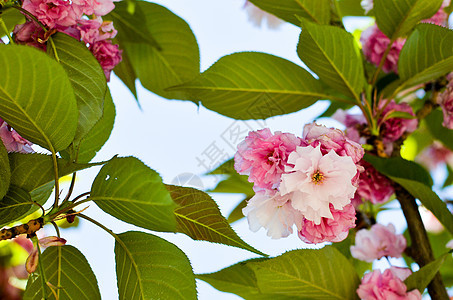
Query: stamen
point(317, 177)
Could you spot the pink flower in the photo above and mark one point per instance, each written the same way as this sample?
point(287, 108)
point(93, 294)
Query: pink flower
point(435, 155)
point(29, 34)
point(52, 12)
point(375, 42)
point(393, 128)
point(256, 16)
point(440, 17)
point(329, 230)
point(317, 181)
point(430, 221)
point(378, 242)
point(373, 186)
point(446, 103)
point(93, 7)
point(272, 211)
point(12, 140)
point(107, 54)
point(389, 285)
point(263, 156)
point(95, 30)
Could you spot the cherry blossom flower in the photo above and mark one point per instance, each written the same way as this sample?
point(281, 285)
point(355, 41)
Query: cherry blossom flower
point(263, 156)
point(107, 54)
point(445, 101)
point(93, 7)
point(374, 44)
point(430, 221)
point(373, 186)
point(434, 155)
point(378, 242)
point(95, 30)
point(316, 181)
point(257, 16)
point(29, 34)
point(52, 12)
point(329, 230)
point(393, 128)
point(272, 211)
point(388, 285)
point(12, 140)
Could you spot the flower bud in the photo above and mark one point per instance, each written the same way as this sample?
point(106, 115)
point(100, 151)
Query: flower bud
point(32, 261)
point(52, 241)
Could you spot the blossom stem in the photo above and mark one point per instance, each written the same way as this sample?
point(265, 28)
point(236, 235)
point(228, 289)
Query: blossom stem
point(41, 270)
point(421, 250)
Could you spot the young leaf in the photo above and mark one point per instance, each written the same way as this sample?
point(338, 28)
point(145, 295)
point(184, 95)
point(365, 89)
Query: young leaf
point(199, 217)
point(236, 214)
point(93, 141)
point(315, 11)
point(253, 85)
point(126, 73)
point(148, 267)
point(426, 55)
point(240, 279)
point(308, 274)
point(405, 174)
point(30, 171)
point(420, 279)
point(132, 192)
point(176, 61)
point(71, 279)
point(439, 132)
point(397, 18)
point(87, 80)
point(14, 206)
point(5, 172)
point(36, 98)
point(333, 55)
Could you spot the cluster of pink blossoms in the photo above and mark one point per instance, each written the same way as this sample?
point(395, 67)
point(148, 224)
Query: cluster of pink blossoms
point(308, 182)
point(373, 186)
point(12, 140)
point(71, 18)
point(375, 42)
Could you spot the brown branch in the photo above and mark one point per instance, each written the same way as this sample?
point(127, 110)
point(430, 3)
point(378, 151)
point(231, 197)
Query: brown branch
point(29, 228)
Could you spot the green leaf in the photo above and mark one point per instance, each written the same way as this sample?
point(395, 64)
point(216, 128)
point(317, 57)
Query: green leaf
point(14, 206)
point(199, 217)
point(132, 192)
point(334, 56)
point(398, 18)
point(333, 107)
point(12, 17)
point(93, 141)
point(449, 180)
point(351, 8)
point(308, 274)
point(77, 280)
point(426, 55)
point(409, 176)
point(87, 79)
point(420, 279)
point(30, 171)
point(36, 97)
point(5, 172)
point(178, 60)
point(130, 25)
point(236, 214)
point(240, 279)
point(345, 248)
point(148, 267)
point(41, 194)
point(234, 183)
point(253, 85)
point(126, 73)
point(225, 168)
point(315, 11)
point(439, 132)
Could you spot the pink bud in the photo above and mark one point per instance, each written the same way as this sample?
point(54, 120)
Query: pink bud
point(52, 241)
point(32, 261)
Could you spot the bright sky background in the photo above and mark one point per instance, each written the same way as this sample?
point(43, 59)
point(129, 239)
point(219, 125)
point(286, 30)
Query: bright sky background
point(169, 135)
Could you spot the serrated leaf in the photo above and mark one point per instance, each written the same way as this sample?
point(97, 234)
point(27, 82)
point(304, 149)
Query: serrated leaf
point(77, 280)
point(126, 73)
point(345, 248)
point(36, 97)
point(199, 217)
point(178, 60)
point(5, 172)
point(14, 206)
point(398, 18)
point(420, 279)
point(129, 190)
point(93, 141)
point(148, 267)
point(240, 279)
point(315, 11)
point(236, 214)
point(426, 55)
point(437, 130)
point(308, 274)
point(253, 85)
point(405, 174)
point(87, 79)
point(30, 171)
point(333, 55)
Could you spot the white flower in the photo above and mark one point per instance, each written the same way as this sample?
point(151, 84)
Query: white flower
point(256, 16)
point(449, 244)
point(317, 181)
point(272, 211)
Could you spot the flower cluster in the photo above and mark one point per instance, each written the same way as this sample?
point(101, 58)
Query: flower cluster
point(388, 285)
point(308, 182)
point(71, 18)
